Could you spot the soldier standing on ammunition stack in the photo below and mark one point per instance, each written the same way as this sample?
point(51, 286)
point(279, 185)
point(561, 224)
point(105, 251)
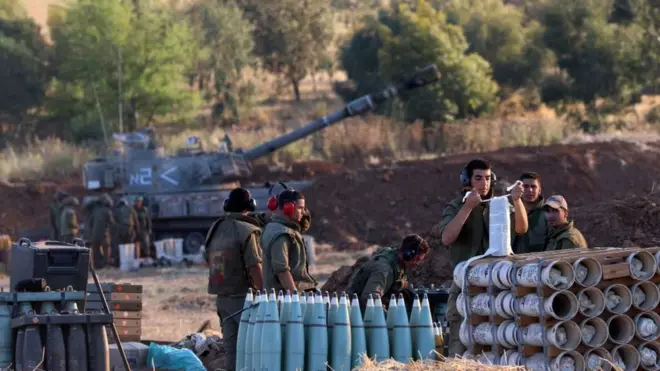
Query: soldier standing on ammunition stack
point(102, 223)
point(125, 231)
point(286, 265)
point(385, 272)
point(535, 238)
point(464, 230)
point(144, 228)
point(55, 209)
point(234, 255)
point(68, 219)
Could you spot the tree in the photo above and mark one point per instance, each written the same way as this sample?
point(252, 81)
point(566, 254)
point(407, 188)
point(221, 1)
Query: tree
point(405, 40)
point(293, 37)
point(122, 62)
point(503, 36)
point(602, 59)
point(24, 60)
point(226, 49)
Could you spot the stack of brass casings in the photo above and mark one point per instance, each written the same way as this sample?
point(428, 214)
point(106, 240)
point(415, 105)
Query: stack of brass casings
point(125, 303)
point(583, 309)
point(311, 331)
point(45, 330)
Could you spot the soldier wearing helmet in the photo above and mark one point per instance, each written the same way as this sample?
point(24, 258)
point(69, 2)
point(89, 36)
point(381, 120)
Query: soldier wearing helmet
point(102, 222)
point(55, 209)
point(144, 228)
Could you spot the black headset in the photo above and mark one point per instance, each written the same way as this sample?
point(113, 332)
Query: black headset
point(465, 178)
point(409, 253)
point(251, 206)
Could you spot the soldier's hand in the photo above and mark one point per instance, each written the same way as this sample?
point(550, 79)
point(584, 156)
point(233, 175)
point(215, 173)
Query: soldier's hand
point(473, 199)
point(517, 191)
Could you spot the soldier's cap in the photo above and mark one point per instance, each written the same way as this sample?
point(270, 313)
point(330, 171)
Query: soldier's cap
point(139, 198)
point(556, 202)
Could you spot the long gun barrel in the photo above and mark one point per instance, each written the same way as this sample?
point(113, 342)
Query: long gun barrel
point(425, 76)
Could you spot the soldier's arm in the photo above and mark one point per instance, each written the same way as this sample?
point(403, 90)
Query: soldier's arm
point(379, 282)
point(279, 257)
point(252, 260)
point(111, 218)
point(70, 220)
point(452, 222)
point(520, 221)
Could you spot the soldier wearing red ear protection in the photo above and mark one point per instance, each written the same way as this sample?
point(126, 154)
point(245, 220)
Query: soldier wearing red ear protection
point(286, 265)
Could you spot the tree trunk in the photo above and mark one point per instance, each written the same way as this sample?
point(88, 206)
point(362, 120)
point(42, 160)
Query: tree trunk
point(296, 89)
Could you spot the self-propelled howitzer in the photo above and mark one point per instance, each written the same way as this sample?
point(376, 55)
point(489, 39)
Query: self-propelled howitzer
point(185, 191)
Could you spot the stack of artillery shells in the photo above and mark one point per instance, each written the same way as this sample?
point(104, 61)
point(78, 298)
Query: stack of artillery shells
point(565, 310)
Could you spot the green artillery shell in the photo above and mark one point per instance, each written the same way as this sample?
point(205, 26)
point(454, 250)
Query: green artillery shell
point(340, 354)
point(242, 332)
point(294, 351)
point(271, 337)
point(317, 356)
point(401, 339)
point(379, 343)
point(358, 335)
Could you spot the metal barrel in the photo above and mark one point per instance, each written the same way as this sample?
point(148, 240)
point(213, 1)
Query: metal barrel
point(425, 76)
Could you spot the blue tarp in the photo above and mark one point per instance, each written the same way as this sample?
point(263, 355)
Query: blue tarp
point(170, 358)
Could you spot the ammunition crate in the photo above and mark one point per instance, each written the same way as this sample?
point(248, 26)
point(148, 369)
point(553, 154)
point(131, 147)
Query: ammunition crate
point(125, 303)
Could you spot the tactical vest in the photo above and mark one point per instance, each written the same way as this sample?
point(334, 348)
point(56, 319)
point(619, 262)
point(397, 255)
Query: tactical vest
point(298, 260)
point(65, 229)
point(225, 250)
point(361, 275)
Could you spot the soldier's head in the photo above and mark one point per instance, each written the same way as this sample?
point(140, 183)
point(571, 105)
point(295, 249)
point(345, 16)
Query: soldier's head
point(138, 201)
point(60, 195)
point(556, 210)
point(413, 250)
point(477, 176)
point(531, 186)
point(291, 204)
point(239, 201)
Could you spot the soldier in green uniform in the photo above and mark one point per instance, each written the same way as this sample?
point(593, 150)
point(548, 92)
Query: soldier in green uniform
point(464, 230)
point(55, 214)
point(563, 235)
point(102, 223)
point(286, 266)
point(538, 228)
point(385, 272)
point(68, 219)
point(234, 255)
point(144, 228)
point(125, 230)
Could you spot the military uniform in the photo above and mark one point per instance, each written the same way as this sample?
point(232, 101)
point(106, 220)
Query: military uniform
point(566, 237)
point(102, 222)
point(382, 275)
point(537, 232)
point(144, 230)
point(232, 250)
point(54, 209)
point(472, 241)
point(125, 230)
point(284, 251)
point(69, 228)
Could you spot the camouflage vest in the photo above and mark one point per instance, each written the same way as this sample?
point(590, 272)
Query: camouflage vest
point(298, 260)
point(225, 246)
point(68, 222)
point(361, 275)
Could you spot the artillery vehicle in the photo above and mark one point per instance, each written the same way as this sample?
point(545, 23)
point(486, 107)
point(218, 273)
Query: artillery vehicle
point(185, 192)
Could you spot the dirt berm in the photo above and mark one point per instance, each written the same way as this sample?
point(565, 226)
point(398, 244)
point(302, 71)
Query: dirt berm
point(610, 189)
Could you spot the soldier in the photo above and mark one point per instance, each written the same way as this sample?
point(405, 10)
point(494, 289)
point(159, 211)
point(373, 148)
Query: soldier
point(102, 222)
point(285, 254)
point(55, 214)
point(563, 235)
point(538, 228)
point(144, 228)
point(234, 255)
point(385, 272)
point(464, 230)
point(125, 231)
point(68, 219)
